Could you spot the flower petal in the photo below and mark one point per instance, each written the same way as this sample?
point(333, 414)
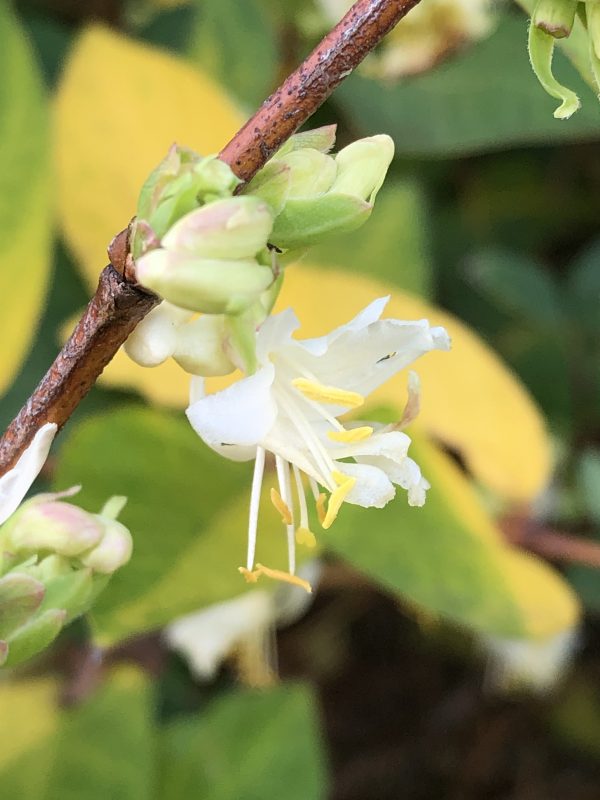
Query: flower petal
point(367, 316)
point(275, 332)
point(391, 444)
point(405, 473)
point(373, 488)
point(242, 414)
point(15, 484)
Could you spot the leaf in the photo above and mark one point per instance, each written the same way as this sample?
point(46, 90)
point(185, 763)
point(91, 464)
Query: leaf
point(104, 747)
point(519, 285)
point(395, 244)
point(450, 559)
point(468, 104)
point(25, 196)
point(120, 105)
point(189, 533)
point(588, 474)
point(269, 737)
point(583, 287)
point(235, 43)
point(471, 400)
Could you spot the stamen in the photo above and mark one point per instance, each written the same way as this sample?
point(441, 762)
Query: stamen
point(321, 510)
point(257, 478)
point(313, 487)
point(345, 484)
point(328, 394)
point(306, 536)
point(352, 435)
point(276, 575)
point(281, 506)
point(283, 476)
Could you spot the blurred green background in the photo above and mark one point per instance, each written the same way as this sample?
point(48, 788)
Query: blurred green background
point(425, 665)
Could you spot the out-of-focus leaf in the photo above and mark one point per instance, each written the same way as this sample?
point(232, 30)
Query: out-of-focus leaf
point(471, 400)
point(449, 558)
point(395, 244)
point(235, 43)
point(120, 105)
point(104, 748)
point(189, 532)
point(25, 184)
point(518, 285)
point(589, 481)
point(469, 104)
point(584, 289)
point(575, 720)
point(26, 743)
point(250, 745)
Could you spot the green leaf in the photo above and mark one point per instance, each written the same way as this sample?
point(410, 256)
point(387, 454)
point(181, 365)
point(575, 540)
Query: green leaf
point(584, 289)
point(189, 532)
point(589, 482)
point(25, 195)
point(104, 747)
point(394, 244)
point(250, 745)
point(469, 104)
point(235, 43)
point(517, 284)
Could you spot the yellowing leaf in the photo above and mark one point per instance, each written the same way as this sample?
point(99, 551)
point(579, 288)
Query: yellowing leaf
point(451, 560)
point(25, 182)
point(30, 707)
point(120, 105)
point(471, 400)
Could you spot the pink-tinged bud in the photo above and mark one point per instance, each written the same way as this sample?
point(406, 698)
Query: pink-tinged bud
point(54, 526)
point(231, 229)
point(113, 551)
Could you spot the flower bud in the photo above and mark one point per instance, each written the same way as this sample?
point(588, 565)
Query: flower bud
point(20, 597)
point(321, 139)
point(43, 524)
point(113, 551)
point(34, 636)
point(362, 167)
point(200, 347)
point(311, 173)
point(209, 286)
point(232, 229)
point(155, 338)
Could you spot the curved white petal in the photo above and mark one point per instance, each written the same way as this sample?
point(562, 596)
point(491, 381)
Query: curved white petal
point(373, 488)
point(242, 414)
point(361, 360)
point(367, 316)
point(391, 444)
point(275, 332)
point(15, 484)
point(405, 473)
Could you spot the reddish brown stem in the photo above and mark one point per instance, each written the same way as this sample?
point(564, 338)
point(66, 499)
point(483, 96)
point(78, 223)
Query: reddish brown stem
point(551, 544)
point(363, 27)
point(119, 304)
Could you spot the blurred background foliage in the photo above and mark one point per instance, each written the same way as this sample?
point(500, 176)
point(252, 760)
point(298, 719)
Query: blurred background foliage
point(488, 224)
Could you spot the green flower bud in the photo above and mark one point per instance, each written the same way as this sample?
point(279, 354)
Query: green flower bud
point(113, 551)
point(34, 636)
point(321, 139)
point(362, 167)
point(236, 228)
point(44, 524)
point(200, 348)
point(20, 597)
point(311, 173)
point(208, 286)
point(555, 17)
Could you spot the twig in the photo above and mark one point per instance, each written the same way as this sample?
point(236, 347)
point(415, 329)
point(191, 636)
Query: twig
point(551, 544)
point(119, 304)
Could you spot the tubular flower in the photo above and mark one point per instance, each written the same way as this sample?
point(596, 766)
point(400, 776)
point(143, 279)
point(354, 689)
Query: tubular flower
point(290, 407)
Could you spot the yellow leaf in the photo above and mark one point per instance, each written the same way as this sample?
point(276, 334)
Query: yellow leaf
point(25, 199)
point(471, 400)
point(120, 105)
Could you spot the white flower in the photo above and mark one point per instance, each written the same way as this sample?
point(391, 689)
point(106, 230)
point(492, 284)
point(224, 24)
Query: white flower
point(290, 407)
point(15, 484)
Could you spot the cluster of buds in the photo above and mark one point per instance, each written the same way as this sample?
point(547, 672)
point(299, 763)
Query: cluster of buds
point(554, 19)
point(55, 558)
point(208, 251)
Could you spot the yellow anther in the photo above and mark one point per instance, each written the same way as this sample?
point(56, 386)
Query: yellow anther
point(282, 507)
point(352, 435)
point(304, 536)
point(252, 576)
point(345, 484)
point(321, 510)
point(328, 394)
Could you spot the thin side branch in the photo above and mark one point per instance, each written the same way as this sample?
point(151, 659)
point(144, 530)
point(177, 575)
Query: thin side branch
point(119, 304)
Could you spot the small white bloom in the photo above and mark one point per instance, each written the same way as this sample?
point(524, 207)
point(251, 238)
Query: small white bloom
point(290, 407)
point(15, 484)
